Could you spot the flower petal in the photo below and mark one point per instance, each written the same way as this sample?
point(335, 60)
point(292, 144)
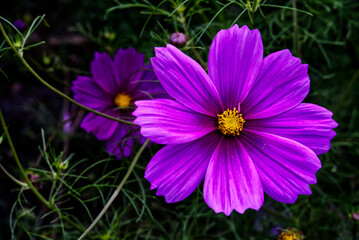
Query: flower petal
point(102, 71)
point(121, 143)
point(285, 167)
point(148, 86)
point(166, 121)
point(177, 170)
point(281, 84)
point(88, 93)
point(308, 124)
point(127, 67)
point(186, 81)
point(101, 127)
point(231, 180)
point(235, 58)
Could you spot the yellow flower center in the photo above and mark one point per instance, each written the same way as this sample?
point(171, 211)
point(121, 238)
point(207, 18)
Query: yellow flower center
point(123, 100)
point(230, 122)
point(287, 236)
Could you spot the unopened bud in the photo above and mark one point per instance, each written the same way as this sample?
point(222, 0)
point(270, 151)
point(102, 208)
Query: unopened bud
point(290, 234)
point(19, 24)
point(178, 39)
point(110, 35)
point(355, 216)
point(46, 59)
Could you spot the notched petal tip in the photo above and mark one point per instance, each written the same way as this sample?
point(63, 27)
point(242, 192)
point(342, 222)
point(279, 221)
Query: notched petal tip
point(159, 50)
point(99, 55)
point(128, 51)
point(232, 181)
point(177, 169)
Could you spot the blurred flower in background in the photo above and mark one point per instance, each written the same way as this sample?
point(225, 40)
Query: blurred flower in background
point(112, 89)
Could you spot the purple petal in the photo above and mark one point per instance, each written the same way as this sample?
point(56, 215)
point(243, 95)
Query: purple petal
point(282, 84)
point(127, 67)
point(102, 70)
point(122, 141)
point(101, 127)
point(88, 93)
point(148, 86)
point(285, 167)
point(235, 58)
point(177, 170)
point(166, 121)
point(186, 81)
point(308, 124)
point(231, 180)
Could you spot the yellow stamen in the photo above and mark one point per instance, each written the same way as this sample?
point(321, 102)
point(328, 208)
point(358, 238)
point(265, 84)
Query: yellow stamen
point(290, 234)
point(230, 122)
point(287, 236)
point(123, 100)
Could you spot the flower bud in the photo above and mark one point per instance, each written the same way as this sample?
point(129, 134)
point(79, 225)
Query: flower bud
point(19, 24)
point(290, 234)
point(178, 39)
point(355, 216)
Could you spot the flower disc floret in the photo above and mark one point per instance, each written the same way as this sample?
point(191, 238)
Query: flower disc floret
point(123, 100)
point(230, 122)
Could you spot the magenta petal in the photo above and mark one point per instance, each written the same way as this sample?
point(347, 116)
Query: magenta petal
point(281, 84)
point(177, 170)
point(285, 167)
point(101, 127)
point(121, 143)
point(231, 180)
point(186, 81)
point(103, 73)
point(148, 86)
point(166, 121)
point(88, 93)
point(128, 64)
point(308, 124)
point(235, 58)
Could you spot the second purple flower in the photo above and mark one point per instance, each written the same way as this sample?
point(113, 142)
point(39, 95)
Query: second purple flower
point(112, 89)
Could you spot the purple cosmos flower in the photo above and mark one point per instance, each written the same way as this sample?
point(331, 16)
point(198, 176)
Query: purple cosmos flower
point(242, 127)
point(112, 89)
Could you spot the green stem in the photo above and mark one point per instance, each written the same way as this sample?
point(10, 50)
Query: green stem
point(276, 214)
point(19, 55)
point(23, 173)
point(297, 43)
point(117, 191)
point(27, 180)
point(183, 22)
point(12, 177)
point(346, 92)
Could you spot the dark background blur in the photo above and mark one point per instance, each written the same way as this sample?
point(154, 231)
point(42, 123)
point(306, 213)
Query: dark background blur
point(327, 41)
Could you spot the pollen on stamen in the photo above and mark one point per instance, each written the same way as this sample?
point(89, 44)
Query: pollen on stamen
point(123, 100)
point(230, 122)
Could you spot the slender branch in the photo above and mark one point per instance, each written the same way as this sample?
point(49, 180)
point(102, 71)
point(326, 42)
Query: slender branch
point(184, 26)
point(18, 163)
point(12, 177)
point(346, 92)
point(298, 48)
point(117, 191)
point(27, 180)
point(19, 55)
